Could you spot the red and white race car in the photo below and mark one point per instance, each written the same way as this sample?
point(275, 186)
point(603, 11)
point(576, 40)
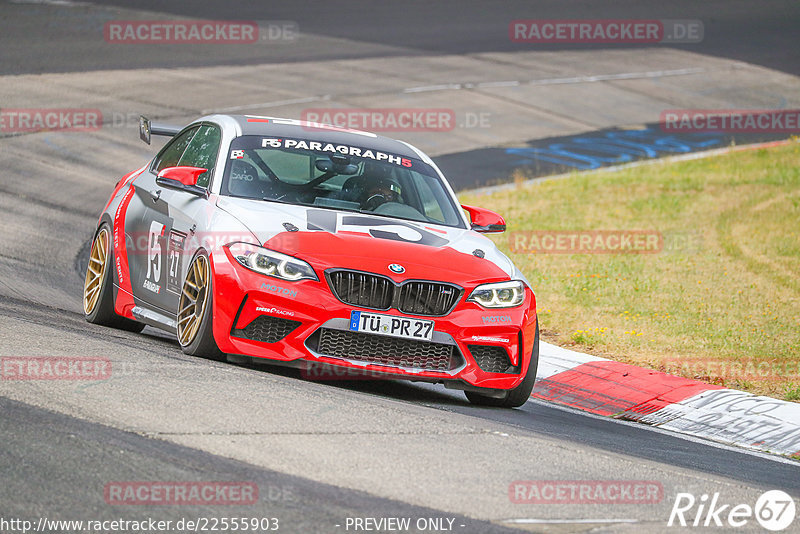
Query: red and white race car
point(310, 245)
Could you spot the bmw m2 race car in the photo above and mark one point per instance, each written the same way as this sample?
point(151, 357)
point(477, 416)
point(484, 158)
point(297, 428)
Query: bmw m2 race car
point(310, 245)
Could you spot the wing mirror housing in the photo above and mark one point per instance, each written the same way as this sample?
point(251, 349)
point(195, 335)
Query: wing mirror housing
point(182, 179)
point(485, 221)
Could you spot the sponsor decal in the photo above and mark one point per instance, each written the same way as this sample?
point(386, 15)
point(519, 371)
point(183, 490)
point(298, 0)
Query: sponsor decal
point(322, 146)
point(274, 311)
point(151, 286)
point(388, 229)
point(174, 260)
point(490, 339)
point(495, 319)
point(328, 221)
point(119, 238)
point(154, 253)
point(278, 290)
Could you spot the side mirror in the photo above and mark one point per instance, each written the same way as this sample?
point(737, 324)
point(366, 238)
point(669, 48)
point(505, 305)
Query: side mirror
point(485, 221)
point(182, 179)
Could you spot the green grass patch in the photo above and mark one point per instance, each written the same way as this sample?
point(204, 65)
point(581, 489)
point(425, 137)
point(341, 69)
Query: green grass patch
point(719, 302)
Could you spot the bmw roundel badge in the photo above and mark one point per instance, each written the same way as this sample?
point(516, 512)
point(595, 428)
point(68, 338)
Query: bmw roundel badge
point(397, 269)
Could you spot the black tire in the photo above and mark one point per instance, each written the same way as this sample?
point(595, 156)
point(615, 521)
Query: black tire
point(98, 291)
point(200, 342)
point(518, 396)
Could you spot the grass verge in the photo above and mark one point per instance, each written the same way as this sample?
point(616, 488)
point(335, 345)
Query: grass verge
point(717, 299)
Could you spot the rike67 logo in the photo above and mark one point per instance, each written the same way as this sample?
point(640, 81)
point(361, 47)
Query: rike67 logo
point(774, 510)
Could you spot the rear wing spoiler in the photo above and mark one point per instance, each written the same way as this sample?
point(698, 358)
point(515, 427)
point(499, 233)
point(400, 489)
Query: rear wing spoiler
point(148, 129)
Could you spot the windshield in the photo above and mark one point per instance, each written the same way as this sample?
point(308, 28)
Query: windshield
point(344, 177)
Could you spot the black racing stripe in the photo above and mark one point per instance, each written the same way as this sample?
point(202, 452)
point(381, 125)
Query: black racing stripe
point(321, 220)
point(428, 238)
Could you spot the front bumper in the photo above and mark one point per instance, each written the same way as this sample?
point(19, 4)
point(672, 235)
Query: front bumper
point(302, 323)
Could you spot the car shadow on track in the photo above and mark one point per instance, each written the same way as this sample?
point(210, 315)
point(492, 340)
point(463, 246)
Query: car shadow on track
point(396, 389)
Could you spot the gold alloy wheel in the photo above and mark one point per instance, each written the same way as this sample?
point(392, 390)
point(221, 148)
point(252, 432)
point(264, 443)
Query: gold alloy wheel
point(95, 272)
point(193, 300)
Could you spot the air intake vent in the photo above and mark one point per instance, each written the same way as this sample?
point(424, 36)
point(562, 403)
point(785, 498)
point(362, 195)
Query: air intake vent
point(492, 359)
point(266, 329)
point(385, 350)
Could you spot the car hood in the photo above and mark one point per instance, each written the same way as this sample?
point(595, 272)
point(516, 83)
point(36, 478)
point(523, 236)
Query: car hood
point(329, 238)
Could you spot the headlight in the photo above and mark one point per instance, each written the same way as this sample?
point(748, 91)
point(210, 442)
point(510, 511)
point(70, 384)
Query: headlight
point(499, 295)
point(271, 263)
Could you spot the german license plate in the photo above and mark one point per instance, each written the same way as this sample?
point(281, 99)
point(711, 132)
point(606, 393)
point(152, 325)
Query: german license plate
point(391, 325)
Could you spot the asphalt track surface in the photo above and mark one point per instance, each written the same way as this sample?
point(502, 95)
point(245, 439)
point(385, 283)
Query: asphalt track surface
point(765, 34)
point(319, 452)
point(68, 456)
point(553, 156)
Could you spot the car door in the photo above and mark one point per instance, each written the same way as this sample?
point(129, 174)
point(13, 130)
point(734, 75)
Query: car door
point(168, 217)
point(188, 213)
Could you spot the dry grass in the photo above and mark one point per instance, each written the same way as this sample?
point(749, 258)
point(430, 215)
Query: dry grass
point(720, 303)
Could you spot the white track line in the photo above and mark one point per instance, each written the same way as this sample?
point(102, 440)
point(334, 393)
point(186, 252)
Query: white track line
point(274, 103)
point(480, 85)
point(560, 81)
point(620, 76)
point(566, 521)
